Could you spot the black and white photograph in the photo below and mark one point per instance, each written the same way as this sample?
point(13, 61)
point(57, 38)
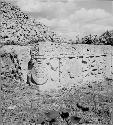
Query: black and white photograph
point(56, 62)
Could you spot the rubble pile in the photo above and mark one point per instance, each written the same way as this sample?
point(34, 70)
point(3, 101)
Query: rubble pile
point(47, 80)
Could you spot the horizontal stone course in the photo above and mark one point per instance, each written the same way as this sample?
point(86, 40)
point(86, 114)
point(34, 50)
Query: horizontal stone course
point(55, 69)
point(56, 61)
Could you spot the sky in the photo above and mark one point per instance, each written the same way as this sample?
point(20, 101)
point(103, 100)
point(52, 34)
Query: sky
point(71, 17)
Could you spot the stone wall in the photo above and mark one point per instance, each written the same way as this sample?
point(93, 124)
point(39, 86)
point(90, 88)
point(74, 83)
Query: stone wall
point(74, 64)
point(57, 65)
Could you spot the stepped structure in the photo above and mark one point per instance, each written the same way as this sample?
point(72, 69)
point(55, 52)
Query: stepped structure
point(46, 80)
point(46, 59)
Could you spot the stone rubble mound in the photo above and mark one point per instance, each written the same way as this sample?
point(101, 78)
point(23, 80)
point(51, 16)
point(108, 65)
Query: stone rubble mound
point(17, 28)
point(45, 80)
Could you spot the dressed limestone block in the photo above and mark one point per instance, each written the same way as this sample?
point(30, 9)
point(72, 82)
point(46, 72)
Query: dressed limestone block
point(102, 49)
point(45, 49)
point(70, 71)
point(64, 49)
point(50, 49)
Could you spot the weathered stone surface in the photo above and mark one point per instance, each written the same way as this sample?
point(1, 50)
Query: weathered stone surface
point(23, 55)
point(40, 72)
point(55, 61)
point(54, 69)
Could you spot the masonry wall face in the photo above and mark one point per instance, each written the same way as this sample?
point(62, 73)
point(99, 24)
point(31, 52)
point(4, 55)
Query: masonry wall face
point(57, 65)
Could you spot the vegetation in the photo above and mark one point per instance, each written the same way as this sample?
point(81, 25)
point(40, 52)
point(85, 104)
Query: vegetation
point(22, 104)
point(105, 39)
